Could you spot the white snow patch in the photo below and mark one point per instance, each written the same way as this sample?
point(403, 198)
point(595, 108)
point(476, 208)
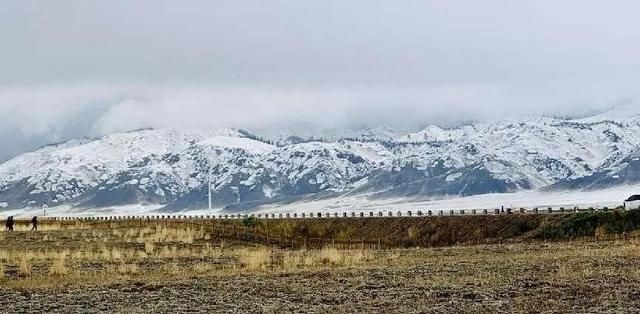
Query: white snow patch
point(268, 191)
point(252, 146)
point(452, 177)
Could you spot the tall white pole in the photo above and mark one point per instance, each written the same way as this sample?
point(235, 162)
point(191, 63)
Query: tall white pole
point(210, 190)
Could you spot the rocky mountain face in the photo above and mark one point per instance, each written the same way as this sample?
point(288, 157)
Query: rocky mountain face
point(172, 167)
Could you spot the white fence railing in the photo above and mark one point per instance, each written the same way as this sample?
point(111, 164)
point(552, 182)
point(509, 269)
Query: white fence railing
point(344, 214)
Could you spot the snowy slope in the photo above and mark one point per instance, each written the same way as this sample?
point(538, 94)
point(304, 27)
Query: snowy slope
point(169, 168)
point(135, 160)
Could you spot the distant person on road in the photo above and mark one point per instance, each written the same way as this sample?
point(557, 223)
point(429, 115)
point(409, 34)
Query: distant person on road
point(9, 224)
point(34, 223)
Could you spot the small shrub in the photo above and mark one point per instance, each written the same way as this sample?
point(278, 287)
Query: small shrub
point(250, 222)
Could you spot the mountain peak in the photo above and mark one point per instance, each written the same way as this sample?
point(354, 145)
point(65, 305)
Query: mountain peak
point(621, 112)
point(169, 167)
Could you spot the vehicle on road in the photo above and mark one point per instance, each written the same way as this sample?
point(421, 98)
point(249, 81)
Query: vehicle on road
point(632, 202)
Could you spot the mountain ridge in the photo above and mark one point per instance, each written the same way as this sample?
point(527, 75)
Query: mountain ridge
point(170, 167)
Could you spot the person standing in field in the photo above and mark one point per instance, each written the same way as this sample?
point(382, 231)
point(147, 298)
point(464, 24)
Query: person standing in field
point(34, 223)
point(9, 224)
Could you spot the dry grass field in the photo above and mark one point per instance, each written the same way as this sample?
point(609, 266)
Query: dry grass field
point(73, 267)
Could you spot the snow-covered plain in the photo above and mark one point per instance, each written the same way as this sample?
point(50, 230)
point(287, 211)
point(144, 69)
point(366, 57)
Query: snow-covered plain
point(526, 199)
point(69, 211)
point(611, 198)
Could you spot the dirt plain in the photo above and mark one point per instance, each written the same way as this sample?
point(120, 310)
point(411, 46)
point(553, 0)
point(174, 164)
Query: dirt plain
point(181, 269)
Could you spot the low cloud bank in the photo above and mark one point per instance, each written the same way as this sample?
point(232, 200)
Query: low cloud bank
point(34, 116)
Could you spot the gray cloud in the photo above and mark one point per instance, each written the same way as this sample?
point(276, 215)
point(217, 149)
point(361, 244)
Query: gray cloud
point(36, 116)
point(85, 68)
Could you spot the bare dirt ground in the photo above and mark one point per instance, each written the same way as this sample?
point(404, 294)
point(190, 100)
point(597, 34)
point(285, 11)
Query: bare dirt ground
point(177, 269)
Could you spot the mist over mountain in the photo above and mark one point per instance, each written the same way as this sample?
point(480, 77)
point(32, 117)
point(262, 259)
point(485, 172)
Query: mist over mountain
point(36, 116)
point(93, 69)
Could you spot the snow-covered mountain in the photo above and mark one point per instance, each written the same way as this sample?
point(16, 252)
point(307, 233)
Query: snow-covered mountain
point(171, 167)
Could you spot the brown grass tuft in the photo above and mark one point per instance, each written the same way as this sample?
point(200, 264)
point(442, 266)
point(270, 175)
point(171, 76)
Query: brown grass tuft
point(24, 267)
point(128, 269)
point(254, 258)
point(58, 266)
point(149, 247)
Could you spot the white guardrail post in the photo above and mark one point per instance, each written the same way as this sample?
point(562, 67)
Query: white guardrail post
point(343, 214)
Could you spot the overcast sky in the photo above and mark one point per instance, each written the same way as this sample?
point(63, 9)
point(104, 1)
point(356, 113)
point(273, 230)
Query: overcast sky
point(83, 68)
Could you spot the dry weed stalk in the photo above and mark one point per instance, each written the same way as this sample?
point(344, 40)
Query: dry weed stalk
point(58, 266)
point(24, 267)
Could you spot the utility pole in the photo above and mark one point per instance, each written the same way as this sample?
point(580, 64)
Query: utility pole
point(209, 185)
